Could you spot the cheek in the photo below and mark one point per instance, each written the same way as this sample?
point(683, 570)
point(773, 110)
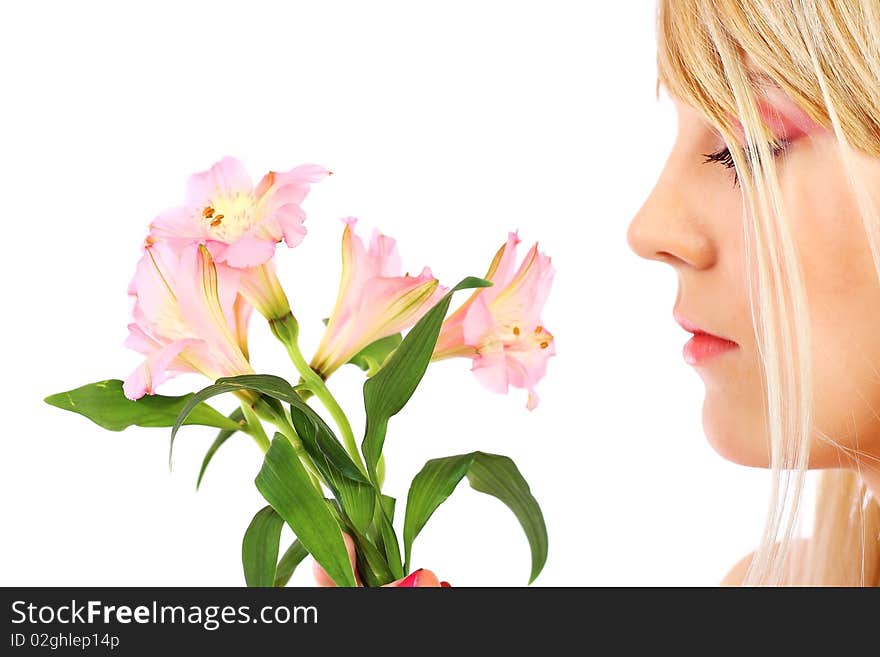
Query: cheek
point(843, 295)
point(733, 414)
point(844, 298)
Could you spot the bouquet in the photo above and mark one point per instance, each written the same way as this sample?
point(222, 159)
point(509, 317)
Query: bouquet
point(207, 264)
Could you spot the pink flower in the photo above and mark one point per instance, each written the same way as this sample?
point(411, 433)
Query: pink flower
point(239, 223)
point(374, 300)
point(499, 327)
point(187, 317)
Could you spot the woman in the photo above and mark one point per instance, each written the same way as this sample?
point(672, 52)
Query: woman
point(767, 209)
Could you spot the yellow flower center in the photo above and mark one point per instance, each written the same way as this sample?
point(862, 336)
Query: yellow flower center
point(228, 217)
point(507, 336)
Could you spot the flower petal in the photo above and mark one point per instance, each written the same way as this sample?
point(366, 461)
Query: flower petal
point(279, 188)
point(225, 178)
point(242, 313)
point(502, 269)
point(178, 224)
point(153, 287)
point(290, 220)
point(262, 289)
point(477, 323)
point(373, 301)
point(524, 297)
point(247, 251)
point(533, 400)
point(452, 338)
point(383, 259)
point(178, 298)
point(491, 370)
point(139, 340)
point(154, 370)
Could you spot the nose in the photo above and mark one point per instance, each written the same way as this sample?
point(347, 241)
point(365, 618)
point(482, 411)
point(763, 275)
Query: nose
point(670, 226)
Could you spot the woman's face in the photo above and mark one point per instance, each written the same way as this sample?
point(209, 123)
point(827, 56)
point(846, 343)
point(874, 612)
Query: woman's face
point(693, 222)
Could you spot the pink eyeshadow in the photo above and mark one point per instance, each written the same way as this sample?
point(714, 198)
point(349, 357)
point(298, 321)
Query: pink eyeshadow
point(782, 116)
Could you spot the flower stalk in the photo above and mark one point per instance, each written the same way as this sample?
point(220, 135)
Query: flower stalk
point(262, 410)
point(255, 427)
point(286, 329)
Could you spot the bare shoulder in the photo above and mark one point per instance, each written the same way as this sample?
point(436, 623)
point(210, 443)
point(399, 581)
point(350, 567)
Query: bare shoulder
point(737, 574)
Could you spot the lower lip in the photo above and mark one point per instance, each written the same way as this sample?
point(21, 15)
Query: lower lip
point(703, 346)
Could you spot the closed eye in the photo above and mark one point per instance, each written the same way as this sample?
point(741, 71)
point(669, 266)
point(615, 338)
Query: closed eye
point(725, 158)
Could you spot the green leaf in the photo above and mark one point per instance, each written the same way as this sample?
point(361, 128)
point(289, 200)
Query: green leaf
point(236, 416)
point(428, 490)
point(371, 357)
point(384, 520)
point(274, 387)
point(349, 486)
point(105, 404)
point(354, 492)
point(293, 556)
point(259, 548)
point(285, 484)
point(321, 443)
point(371, 563)
point(386, 393)
point(487, 473)
point(388, 504)
point(498, 476)
point(390, 544)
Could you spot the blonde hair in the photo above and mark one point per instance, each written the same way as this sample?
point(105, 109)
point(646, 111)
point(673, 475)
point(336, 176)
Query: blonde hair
point(824, 55)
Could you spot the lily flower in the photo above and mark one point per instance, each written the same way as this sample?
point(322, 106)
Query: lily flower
point(240, 224)
point(499, 327)
point(187, 317)
point(374, 299)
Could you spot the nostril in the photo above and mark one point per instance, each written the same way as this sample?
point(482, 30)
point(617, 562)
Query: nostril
point(665, 256)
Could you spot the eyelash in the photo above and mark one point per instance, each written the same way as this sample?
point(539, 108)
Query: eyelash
point(725, 158)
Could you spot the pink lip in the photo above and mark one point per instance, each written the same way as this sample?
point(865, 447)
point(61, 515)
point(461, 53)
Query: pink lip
point(702, 345)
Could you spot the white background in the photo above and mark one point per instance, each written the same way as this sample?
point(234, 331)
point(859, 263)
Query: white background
point(446, 125)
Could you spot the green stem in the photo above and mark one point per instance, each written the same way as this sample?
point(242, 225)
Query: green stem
point(286, 330)
point(255, 427)
point(290, 433)
point(263, 410)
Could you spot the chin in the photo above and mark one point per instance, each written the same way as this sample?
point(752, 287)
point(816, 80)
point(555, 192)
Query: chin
point(733, 436)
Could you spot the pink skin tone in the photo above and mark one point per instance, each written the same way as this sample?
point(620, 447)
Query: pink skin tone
point(374, 301)
point(781, 115)
point(416, 579)
point(693, 222)
point(500, 328)
point(239, 223)
point(187, 317)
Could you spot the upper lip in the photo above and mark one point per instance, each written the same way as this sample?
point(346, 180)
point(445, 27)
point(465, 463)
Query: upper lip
point(694, 328)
